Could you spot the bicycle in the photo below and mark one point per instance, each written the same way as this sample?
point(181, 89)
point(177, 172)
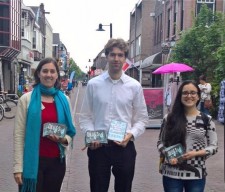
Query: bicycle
point(7, 107)
point(11, 96)
point(1, 112)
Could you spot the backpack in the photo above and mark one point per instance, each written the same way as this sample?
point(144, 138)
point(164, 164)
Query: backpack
point(205, 120)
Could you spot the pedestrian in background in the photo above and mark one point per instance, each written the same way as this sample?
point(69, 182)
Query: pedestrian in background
point(196, 132)
point(113, 96)
point(205, 93)
point(39, 162)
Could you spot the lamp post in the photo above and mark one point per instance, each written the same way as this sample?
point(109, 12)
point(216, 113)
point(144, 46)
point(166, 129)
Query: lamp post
point(43, 25)
point(88, 70)
point(101, 29)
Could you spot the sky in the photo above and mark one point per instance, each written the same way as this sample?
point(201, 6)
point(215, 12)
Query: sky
point(77, 20)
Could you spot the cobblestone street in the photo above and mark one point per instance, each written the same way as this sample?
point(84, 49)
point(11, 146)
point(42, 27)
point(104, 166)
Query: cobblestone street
point(146, 177)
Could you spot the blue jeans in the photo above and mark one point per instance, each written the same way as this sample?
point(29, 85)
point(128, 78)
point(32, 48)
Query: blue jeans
point(203, 109)
point(177, 185)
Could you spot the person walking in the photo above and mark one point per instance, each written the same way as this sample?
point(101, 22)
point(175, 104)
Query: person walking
point(113, 96)
point(196, 132)
point(205, 93)
point(39, 162)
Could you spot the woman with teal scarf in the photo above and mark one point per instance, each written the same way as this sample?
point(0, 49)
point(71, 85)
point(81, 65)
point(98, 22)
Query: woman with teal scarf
point(39, 161)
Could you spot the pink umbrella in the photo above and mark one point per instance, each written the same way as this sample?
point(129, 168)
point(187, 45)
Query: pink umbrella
point(172, 68)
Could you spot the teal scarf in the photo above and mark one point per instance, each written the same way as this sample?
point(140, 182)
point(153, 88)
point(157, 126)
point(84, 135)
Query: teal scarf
point(33, 129)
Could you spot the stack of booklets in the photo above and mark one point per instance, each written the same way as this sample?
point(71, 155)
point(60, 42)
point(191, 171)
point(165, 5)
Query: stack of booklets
point(98, 135)
point(54, 129)
point(117, 130)
point(174, 151)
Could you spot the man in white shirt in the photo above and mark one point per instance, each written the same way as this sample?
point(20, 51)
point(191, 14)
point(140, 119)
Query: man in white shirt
point(113, 96)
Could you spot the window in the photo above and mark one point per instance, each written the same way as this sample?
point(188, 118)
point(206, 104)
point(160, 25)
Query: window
point(210, 4)
point(4, 1)
point(182, 16)
point(168, 24)
point(175, 8)
point(4, 11)
point(34, 40)
point(138, 45)
point(4, 39)
point(132, 50)
point(4, 25)
point(22, 27)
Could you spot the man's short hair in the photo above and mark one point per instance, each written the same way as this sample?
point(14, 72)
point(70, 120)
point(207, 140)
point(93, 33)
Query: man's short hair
point(119, 43)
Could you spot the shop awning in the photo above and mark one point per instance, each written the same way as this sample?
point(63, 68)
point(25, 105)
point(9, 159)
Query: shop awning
point(152, 61)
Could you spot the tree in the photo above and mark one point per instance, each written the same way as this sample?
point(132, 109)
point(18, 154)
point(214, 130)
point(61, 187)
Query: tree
point(202, 47)
point(74, 67)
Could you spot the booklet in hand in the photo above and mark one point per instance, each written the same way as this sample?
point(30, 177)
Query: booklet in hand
point(174, 151)
point(117, 130)
point(98, 135)
point(54, 129)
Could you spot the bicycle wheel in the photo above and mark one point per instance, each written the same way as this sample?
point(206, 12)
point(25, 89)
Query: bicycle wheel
point(1, 112)
point(10, 108)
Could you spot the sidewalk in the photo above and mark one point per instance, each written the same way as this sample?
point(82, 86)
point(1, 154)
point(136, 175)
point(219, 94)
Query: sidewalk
point(146, 176)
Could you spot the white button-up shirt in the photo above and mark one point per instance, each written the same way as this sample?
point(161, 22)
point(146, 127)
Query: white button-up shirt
point(106, 100)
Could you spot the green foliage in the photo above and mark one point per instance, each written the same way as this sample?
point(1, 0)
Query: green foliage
point(203, 48)
point(19, 93)
point(74, 67)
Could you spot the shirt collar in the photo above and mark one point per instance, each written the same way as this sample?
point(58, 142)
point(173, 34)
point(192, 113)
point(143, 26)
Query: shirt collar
point(123, 77)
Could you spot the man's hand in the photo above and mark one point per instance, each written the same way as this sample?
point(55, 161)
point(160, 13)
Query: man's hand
point(126, 139)
point(18, 178)
point(95, 145)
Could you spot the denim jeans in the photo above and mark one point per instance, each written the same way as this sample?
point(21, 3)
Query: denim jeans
point(203, 109)
point(178, 185)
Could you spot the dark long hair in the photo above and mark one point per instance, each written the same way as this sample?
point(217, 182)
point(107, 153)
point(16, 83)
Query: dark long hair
point(175, 126)
point(38, 69)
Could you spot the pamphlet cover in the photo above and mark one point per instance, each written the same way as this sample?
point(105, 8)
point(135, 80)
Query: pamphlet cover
point(99, 135)
point(54, 129)
point(117, 130)
point(174, 151)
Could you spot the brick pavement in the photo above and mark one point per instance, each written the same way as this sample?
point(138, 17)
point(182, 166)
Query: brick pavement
point(7, 183)
point(146, 177)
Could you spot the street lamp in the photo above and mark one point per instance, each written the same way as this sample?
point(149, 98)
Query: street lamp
point(88, 69)
point(101, 29)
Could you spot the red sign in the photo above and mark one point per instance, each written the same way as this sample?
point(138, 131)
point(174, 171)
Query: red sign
point(154, 102)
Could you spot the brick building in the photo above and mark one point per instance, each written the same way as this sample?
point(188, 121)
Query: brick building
point(10, 42)
point(156, 25)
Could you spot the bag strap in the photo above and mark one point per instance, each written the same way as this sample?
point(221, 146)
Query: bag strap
point(205, 119)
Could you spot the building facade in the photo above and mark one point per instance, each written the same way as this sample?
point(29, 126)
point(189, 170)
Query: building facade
point(26, 58)
point(155, 27)
point(10, 42)
point(26, 37)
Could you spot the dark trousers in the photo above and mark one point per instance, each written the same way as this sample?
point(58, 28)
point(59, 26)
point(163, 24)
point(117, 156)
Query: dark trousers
point(116, 158)
point(51, 172)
